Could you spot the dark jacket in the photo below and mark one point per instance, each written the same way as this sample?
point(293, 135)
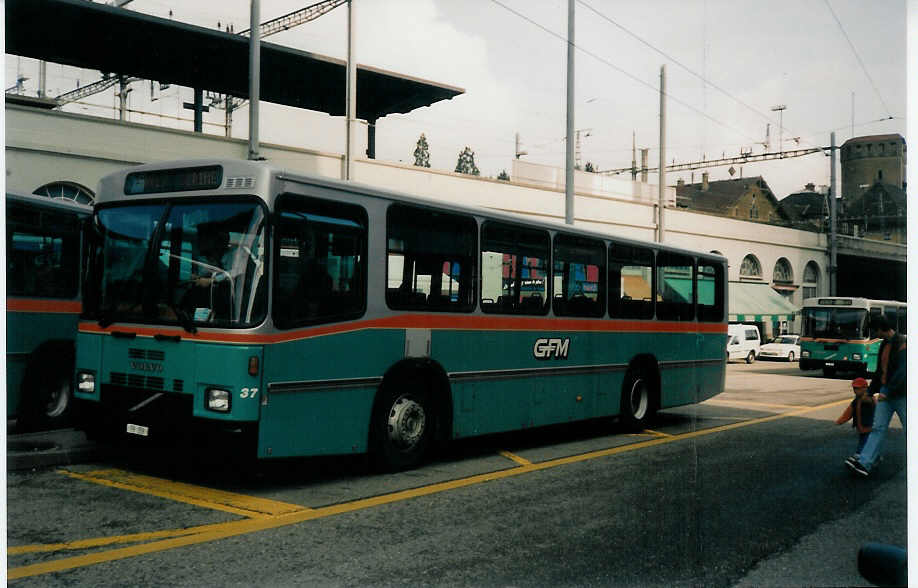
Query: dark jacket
point(894, 375)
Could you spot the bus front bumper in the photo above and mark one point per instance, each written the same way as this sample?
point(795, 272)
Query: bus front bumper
point(840, 365)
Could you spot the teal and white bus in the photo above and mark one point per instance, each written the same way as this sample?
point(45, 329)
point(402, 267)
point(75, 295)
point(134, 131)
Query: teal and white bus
point(837, 336)
point(43, 253)
point(308, 316)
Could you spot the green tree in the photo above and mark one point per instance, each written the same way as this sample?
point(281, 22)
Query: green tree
point(422, 152)
point(466, 162)
point(504, 175)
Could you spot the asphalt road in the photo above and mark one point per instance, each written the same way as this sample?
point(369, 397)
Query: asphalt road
point(745, 489)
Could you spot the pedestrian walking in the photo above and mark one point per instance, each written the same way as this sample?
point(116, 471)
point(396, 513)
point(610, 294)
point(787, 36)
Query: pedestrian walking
point(860, 413)
point(889, 384)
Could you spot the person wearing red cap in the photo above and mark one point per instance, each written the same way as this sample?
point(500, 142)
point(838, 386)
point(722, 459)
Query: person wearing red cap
point(889, 385)
point(860, 413)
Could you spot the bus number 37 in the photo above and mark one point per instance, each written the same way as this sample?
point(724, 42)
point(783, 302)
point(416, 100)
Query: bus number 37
point(248, 392)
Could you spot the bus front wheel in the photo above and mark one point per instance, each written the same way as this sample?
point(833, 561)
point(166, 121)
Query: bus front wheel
point(47, 392)
point(637, 406)
point(403, 428)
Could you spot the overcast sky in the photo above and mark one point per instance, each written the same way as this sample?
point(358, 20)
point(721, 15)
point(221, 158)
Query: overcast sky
point(728, 64)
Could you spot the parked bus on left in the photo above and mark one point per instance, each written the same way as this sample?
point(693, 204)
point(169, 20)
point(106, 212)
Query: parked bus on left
point(43, 261)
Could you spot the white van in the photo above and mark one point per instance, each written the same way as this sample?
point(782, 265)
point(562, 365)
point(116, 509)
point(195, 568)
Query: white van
point(743, 342)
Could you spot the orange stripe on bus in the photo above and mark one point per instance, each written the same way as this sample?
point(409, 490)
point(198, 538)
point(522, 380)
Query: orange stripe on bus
point(43, 305)
point(826, 340)
point(426, 321)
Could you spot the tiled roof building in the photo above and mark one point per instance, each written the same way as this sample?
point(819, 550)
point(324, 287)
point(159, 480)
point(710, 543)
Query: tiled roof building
point(741, 198)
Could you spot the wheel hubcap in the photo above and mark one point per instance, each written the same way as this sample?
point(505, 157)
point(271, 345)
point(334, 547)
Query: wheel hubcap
point(58, 400)
point(639, 399)
point(407, 422)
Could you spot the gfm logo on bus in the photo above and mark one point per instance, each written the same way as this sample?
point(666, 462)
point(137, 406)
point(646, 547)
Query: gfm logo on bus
point(551, 348)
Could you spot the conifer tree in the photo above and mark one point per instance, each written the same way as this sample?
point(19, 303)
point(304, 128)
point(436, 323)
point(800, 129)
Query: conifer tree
point(422, 152)
point(466, 162)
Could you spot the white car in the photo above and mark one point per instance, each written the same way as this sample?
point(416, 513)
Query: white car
point(786, 347)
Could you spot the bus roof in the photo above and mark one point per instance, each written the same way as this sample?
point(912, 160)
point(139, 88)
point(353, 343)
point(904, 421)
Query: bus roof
point(849, 301)
point(260, 173)
point(49, 203)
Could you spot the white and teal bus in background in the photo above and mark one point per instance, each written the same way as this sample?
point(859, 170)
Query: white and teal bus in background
point(43, 260)
point(307, 316)
point(837, 336)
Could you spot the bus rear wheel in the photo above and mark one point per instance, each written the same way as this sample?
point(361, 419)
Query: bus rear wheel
point(637, 405)
point(47, 396)
point(403, 424)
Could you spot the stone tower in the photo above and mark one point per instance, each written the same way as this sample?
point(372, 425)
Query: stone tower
point(866, 161)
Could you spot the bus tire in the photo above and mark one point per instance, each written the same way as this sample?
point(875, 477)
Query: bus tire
point(638, 403)
point(47, 390)
point(403, 425)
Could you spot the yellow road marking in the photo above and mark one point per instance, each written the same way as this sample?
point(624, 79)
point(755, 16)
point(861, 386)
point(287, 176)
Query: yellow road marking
point(657, 433)
point(239, 504)
point(236, 528)
point(113, 540)
point(724, 402)
point(514, 457)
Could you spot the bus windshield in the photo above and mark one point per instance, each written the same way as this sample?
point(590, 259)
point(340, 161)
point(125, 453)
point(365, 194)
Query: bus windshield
point(835, 323)
point(189, 262)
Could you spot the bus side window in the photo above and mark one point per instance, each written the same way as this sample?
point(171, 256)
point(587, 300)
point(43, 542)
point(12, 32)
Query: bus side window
point(431, 260)
point(320, 275)
point(903, 323)
point(710, 288)
point(675, 287)
point(578, 277)
point(630, 282)
point(514, 269)
point(43, 249)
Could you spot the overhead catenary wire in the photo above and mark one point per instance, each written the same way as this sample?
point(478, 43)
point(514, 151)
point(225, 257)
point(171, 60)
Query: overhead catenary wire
point(858, 57)
point(622, 71)
point(646, 43)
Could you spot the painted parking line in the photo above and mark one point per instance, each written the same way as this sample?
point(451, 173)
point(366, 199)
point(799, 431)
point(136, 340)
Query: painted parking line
point(751, 404)
point(657, 433)
point(239, 504)
point(242, 527)
point(106, 541)
point(514, 457)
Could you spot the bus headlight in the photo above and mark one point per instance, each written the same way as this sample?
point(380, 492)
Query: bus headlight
point(856, 356)
point(804, 354)
point(86, 382)
point(218, 400)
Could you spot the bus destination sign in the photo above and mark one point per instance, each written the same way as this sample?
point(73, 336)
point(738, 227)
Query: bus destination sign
point(173, 180)
point(835, 302)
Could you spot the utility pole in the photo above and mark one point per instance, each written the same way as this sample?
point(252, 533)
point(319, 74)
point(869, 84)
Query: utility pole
point(633, 157)
point(42, 78)
point(254, 78)
point(569, 171)
point(577, 158)
point(519, 152)
point(123, 91)
point(662, 174)
point(351, 106)
point(780, 108)
point(833, 217)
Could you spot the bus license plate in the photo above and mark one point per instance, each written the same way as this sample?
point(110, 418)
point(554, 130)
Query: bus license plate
point(138, 430)
point(830, 364)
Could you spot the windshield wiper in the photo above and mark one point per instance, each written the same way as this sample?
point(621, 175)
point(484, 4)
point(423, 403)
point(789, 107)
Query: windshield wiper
point(184, 320)
point(106, 317)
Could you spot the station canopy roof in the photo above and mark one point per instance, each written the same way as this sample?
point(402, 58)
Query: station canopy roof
point(752, 302)
point(118, 41)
